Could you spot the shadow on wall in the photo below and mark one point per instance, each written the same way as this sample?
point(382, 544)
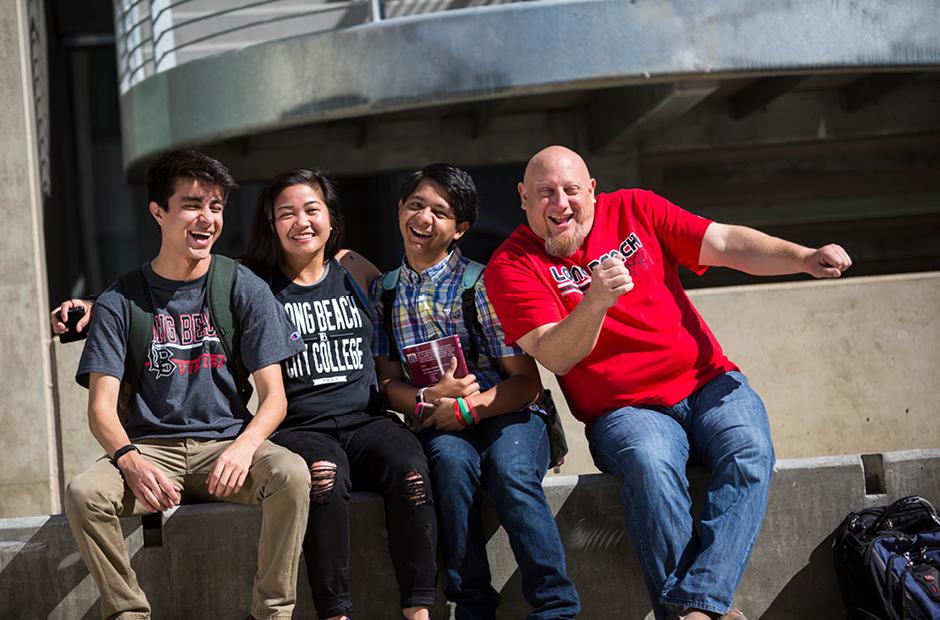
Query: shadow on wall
point(50, 561)
point(816, 582)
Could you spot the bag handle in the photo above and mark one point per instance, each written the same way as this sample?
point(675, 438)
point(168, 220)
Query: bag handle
point(899, 506)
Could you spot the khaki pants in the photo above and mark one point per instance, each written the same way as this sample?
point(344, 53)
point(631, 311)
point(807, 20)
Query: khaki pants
point(278, 480)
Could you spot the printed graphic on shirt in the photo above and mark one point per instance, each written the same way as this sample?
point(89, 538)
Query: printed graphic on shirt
point(576, 279)
point(332, 344)
point(182, 349)
point(570, 280)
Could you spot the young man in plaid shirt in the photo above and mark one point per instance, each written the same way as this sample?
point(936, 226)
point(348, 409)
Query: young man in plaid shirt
point(481, 431)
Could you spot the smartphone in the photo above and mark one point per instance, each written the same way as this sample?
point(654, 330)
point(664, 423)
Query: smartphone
point(74, 316)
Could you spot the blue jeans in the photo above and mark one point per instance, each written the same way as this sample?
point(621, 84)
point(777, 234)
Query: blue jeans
point(507, 456)
point(723, 426)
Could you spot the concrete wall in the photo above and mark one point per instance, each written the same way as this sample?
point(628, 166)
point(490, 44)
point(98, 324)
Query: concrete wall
point(201, 562)
point(844, 366)
point(29, 477)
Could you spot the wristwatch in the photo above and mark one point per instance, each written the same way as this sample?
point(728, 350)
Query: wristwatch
point(122, 451)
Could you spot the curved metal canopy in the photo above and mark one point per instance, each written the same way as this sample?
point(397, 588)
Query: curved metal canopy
point(515, 50)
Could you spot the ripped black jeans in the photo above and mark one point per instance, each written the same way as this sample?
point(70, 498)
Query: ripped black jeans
point(366, 453)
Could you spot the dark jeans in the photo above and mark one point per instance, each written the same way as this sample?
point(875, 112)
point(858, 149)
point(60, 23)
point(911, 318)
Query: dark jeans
point(507, 456)
point(370, 453)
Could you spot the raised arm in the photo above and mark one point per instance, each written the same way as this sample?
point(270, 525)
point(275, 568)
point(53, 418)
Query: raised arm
point(231, 468)
point(754, 252)
point(559, 346)
point(145, 480)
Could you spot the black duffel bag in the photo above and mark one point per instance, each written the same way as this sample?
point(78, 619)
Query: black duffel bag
point(887, 561)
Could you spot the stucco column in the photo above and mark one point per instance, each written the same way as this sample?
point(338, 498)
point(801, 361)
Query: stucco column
point(29, 463)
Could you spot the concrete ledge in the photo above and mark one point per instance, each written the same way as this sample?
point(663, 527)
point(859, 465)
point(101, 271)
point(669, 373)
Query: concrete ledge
point(206, 557)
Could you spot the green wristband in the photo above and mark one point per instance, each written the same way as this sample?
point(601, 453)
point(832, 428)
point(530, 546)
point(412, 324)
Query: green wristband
point(465, 411)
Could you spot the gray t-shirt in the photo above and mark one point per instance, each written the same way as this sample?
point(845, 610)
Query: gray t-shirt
point(186, 389)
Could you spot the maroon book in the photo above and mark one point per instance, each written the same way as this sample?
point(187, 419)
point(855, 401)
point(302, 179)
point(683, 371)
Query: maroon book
point(427, 361)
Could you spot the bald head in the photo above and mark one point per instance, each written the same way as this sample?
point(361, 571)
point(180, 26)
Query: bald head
point(555, 157)
point(557, 194)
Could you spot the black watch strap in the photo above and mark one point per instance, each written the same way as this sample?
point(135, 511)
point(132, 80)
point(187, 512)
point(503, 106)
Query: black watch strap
point(122, 451)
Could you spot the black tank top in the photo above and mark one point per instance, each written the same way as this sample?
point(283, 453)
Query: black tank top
point(335, 374)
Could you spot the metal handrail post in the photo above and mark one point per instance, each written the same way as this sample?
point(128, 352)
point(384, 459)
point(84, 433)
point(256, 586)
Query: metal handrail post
point(377, 13)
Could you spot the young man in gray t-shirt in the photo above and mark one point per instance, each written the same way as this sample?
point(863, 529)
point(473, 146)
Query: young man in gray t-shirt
point(186, 435)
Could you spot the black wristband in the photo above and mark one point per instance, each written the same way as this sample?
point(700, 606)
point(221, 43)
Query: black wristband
point(122, 451)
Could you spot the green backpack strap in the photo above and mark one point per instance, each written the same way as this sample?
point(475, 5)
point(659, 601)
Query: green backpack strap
point(390, 279)
point(468, 302)
point(220, 288)
point(138, 316)
point(389, 284)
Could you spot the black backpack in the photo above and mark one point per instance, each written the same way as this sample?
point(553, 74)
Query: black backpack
point(471, 275)
point(138, 315)
point(887, 561)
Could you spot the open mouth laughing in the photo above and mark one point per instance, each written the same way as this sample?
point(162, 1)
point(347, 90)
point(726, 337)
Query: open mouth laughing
point(419, 234)
point(562, 219)
point(200, 238)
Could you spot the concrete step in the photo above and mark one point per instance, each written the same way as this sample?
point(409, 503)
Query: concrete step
point(199, 562)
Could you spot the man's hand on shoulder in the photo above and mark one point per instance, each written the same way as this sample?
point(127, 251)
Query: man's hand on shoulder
point(359, 267)
point(828, 261)
point(231, 468)
point(609, 281)
point(147, 482)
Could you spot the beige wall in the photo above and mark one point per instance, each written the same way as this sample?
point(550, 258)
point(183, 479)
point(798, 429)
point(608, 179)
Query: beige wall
point(846, 366)
point(29, 477)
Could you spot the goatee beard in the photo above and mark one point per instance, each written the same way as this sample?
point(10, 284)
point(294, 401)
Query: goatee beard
point(564, 245)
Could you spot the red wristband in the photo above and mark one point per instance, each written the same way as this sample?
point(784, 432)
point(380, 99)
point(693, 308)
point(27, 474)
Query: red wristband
point(457, 415)
point(473, 410)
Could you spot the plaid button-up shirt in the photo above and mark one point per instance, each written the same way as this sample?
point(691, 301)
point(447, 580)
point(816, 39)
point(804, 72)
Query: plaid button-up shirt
point(428, 306)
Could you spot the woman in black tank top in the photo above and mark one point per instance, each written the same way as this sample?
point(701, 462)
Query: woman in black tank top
point(335, 416)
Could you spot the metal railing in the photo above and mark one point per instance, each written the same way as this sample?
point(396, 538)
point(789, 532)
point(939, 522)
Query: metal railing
point(156, 35)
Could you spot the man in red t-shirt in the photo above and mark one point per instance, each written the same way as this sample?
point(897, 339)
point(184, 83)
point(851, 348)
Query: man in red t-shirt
point(590, 288)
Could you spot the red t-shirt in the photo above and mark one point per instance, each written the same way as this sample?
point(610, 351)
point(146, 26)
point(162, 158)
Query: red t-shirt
point(654, 348)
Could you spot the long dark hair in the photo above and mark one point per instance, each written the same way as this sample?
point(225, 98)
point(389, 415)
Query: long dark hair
point(264, 252)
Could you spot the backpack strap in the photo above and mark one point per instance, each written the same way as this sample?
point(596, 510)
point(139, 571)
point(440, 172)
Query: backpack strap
point(138, 316)
point(389, 283)
point(360, 294)
point(390, 279)
point(220, 289)
point(471, 319)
